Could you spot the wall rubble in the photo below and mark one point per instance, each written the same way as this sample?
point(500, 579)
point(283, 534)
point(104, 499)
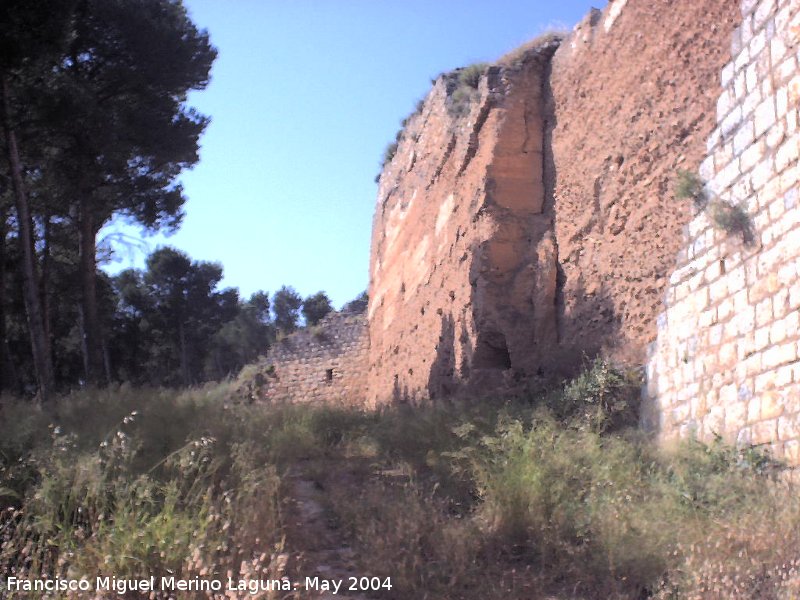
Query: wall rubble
point(727, 356)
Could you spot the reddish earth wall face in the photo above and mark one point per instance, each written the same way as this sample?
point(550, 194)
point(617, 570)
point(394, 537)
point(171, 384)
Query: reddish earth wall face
point(541, 225)
point(458, 235)
point(634, 100)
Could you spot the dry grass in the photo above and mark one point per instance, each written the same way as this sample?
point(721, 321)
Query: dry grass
point(555, 495)
point(464, 82)
point(754, 556)
point(130, 484)
point(518, 55)
point(575, 506)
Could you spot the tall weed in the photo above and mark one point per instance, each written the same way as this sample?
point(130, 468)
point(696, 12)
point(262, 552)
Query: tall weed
point(138, 498)
point(553, 494)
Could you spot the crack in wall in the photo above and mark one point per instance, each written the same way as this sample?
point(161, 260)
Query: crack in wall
point(451, 145)
point(505, 262)
point(472, 144)
point(549, 178)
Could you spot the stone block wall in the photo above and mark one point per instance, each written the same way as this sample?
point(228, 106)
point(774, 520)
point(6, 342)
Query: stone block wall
point(326, 363)
point(727, 357)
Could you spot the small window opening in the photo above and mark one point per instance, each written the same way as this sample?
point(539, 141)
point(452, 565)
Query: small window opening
point(329, 375)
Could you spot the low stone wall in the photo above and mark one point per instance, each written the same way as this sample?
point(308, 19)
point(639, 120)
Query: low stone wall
point(326, 363)
point(727, 357)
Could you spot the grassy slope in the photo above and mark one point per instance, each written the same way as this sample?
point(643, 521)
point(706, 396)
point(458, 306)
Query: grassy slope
point(554, 495)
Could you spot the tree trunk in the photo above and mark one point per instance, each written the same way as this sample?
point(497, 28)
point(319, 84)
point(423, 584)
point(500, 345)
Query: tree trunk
point(106, 361)
point(39, 344)
point(84, 351)
point(45, 284)
point(8, 375)
point(87, 265)
point(184, 354)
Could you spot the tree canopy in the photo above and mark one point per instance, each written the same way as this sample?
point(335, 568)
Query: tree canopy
point(286, 305)
point(315, 307)
point(95, 125)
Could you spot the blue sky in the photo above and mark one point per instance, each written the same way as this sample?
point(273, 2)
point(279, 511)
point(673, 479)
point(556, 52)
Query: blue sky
point(305, 95)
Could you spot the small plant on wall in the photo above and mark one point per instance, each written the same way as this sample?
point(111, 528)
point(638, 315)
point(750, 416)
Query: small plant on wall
point(466, 80)
point(689, 186)
point(731, 218)
point(470, 76)
point(389, 152)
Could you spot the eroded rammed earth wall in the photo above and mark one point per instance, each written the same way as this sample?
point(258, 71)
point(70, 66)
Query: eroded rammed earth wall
point(541, 227)
point(461, 246)
point(536, 224)
point(635, 92)
point(727, 357)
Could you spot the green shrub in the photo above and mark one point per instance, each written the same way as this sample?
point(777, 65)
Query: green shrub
point(556, 495)
point(689, 186)
point(609, 511)
point(470, 76)
point(389, 152)
point(600, 398)
point(732, 218)
point(463, 88)
point(460, 101)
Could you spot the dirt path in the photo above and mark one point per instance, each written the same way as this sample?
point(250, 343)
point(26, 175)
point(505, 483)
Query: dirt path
point(316, 543)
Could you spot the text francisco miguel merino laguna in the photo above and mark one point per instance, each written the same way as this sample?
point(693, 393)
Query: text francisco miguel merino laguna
point(157, 584)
